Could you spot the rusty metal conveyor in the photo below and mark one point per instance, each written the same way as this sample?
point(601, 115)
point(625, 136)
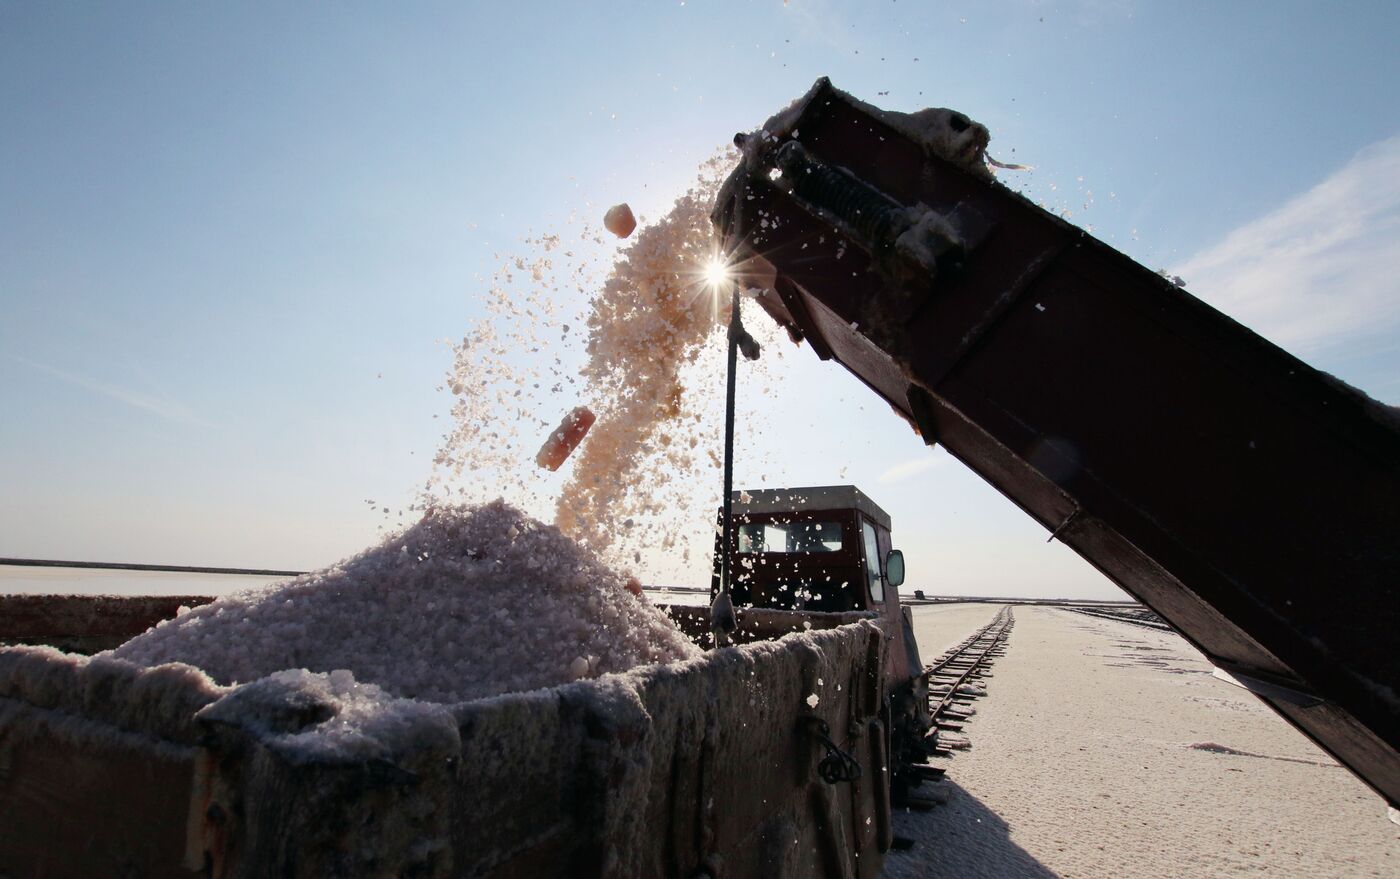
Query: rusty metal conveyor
point(1249, 499)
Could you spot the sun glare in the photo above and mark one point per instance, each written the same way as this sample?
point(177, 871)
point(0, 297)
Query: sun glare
point(716, 273)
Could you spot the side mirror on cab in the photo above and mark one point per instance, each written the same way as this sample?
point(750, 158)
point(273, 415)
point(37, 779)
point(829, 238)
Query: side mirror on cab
point(894, 567)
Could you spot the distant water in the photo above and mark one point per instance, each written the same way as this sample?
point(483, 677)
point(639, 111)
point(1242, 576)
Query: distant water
point(18, 580)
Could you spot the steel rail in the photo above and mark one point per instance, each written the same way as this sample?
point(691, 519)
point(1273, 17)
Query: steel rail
point(971, 659)
point(1153, 622)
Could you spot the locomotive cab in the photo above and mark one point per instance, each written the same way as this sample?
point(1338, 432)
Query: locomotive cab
point(824, 548)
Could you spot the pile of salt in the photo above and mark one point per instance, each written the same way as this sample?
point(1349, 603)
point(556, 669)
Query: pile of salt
point(469, 602)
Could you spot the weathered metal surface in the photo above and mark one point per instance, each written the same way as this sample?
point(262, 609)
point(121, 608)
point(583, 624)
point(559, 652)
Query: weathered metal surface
point(96, 805)
point(671, 770)
point(1250, 500)
point(758, 623)
point(85, 623)
point(834, 580)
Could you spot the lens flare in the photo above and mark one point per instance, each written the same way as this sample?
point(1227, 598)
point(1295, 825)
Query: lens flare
point(716, 274)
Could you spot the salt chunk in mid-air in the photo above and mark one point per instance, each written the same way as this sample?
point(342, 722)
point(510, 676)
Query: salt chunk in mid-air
point(565, 438)
point(619, 220)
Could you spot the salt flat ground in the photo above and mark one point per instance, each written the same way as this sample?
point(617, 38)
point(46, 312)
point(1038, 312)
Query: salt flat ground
point(1100, 752)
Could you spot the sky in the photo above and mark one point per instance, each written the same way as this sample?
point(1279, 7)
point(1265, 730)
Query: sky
point(234, 238)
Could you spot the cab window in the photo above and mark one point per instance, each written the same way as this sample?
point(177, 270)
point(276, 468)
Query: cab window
point(872, 561)
point(791, 537)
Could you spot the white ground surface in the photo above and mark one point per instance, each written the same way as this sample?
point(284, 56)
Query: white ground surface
point(1082, 765)
point(938, 627)
point(18, 580)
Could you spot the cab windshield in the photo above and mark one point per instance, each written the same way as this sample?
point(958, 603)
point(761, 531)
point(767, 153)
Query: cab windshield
point(791, 537)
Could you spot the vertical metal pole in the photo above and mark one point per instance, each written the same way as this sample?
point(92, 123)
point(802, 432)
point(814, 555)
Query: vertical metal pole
point(729, 440)
point(722, 619)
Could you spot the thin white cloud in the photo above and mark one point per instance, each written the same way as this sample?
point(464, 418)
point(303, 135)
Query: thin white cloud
point(823, 22)
point(1320, 270)
point(907, 469)
point(171, 410)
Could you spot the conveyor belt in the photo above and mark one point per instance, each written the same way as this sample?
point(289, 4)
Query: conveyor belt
point(1250, 500)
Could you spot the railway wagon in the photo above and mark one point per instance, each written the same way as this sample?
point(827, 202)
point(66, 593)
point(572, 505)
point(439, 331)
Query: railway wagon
point(766, 759)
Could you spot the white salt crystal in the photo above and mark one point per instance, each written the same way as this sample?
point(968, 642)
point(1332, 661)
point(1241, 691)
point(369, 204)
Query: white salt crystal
point(651, 355)
point(565, 439)
point(488, 602)
point(578, 668)
point(619, 220)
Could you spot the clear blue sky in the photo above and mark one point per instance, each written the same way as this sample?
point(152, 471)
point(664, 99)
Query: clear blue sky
point(220, 224)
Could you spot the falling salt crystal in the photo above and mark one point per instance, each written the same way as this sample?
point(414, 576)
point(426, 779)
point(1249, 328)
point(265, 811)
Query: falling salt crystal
point(562, 442)
point(649, 334)
point(619, 220)
point(812, 700)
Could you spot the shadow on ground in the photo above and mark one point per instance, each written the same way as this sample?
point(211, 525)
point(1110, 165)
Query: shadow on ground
point(961, 838)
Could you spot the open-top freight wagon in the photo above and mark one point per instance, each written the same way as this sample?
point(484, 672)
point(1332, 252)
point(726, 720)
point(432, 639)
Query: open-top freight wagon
point(766, 759)
point(770, 759)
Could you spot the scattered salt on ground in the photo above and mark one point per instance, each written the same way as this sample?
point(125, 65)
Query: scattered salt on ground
point(1081, 765)
point(941, 626)
point(469, 602)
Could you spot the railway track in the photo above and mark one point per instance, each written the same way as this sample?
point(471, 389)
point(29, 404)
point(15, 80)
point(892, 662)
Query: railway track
point(1135, 616)
point(955, 680)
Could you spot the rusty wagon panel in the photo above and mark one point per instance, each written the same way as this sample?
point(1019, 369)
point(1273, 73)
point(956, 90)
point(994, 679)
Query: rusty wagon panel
point(701, 768)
